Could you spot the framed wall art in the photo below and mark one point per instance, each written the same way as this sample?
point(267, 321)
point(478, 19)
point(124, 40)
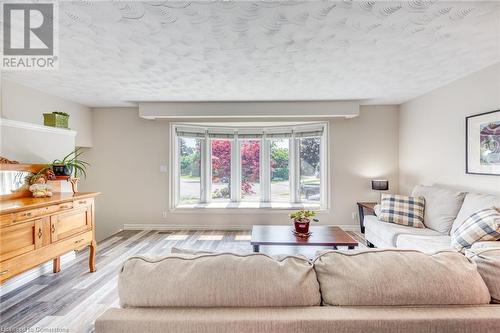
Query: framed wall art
point(482, 154)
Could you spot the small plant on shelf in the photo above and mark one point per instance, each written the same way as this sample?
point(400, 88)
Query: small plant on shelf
point(302, 219)
point(71, 164)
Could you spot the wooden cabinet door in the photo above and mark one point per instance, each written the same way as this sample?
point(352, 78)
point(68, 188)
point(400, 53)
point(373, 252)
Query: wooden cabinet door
point(69, 224)
point(22, 238)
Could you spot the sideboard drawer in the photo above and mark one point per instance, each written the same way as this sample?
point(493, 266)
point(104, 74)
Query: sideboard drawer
point(56, 208)
point(6, 220)
point(67, 224)
point(48, 209)
point(79, 241)
point(21, 238)
point(27, 214)
point(82, 202)
point(64, 206)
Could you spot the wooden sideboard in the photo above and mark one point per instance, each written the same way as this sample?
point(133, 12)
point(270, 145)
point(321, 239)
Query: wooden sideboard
point(36, 230)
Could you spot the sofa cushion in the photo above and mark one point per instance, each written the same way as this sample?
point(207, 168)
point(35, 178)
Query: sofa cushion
point(313, 319)
point(390, 231)
point(482, 225)
point(403, 210)
point(399, 277)
point(441, 206)
point(429, 244)
point(222, 279)
point(488, 265)
point(474, 202)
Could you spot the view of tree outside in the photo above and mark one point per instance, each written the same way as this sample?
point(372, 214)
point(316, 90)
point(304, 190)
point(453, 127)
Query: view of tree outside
point(221, 169)
point(280, 175)
point(190, 165)
point(190, 169)
point(250, 170)
point(309, 169)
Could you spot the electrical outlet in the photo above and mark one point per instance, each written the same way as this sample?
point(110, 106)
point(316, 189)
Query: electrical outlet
point(354, 215)
point(164, 215)
point(163, 169)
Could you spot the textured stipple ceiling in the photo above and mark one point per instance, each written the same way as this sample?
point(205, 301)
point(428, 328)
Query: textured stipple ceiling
point(115, 53)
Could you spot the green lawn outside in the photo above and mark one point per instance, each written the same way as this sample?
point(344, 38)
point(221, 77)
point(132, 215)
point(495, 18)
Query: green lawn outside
point(191, 178)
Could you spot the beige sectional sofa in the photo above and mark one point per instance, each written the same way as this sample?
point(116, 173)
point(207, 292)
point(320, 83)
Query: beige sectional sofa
point(340, 291)
point(445, 210)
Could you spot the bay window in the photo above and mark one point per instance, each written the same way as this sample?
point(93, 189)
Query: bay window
point(309, 168)
point(221, 169)
point(250, 169)
point(264, 167)
point(190, 170)
point(280, 169)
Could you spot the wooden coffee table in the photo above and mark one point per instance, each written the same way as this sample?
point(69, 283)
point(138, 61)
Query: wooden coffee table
point(283, 235)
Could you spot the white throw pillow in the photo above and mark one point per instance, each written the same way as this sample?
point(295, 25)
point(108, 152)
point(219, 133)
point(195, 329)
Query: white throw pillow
point(441, 206)
point(483, 225)
point(474, 202)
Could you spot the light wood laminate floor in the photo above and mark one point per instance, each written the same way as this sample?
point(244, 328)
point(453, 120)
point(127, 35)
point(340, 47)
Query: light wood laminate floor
point(71, 300)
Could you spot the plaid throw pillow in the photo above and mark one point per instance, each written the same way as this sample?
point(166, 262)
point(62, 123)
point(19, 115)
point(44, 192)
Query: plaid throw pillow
point(483, 225)
point(403, 210)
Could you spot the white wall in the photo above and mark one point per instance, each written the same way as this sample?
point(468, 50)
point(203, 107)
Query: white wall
point(432, 133)
point(128, 151)
point(26, 104)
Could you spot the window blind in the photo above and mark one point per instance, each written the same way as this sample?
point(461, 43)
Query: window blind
point(186, 132)
point(249, 134)
point(279, 135)
point(309, 133)
point(220, 135)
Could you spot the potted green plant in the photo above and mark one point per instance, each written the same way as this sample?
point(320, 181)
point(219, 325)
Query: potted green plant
point(70, 164)
point(302, 219)
point(56, 119)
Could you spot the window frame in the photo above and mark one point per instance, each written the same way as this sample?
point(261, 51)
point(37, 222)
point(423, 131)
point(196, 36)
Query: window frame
point(265, 174)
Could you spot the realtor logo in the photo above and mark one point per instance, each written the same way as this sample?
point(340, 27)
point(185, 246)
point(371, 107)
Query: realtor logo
point(29, 31)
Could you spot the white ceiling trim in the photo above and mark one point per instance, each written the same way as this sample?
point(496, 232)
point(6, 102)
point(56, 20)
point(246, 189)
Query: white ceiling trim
point(296, 109)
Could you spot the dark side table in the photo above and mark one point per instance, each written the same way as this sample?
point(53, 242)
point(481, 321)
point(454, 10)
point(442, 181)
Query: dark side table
point(365, 207)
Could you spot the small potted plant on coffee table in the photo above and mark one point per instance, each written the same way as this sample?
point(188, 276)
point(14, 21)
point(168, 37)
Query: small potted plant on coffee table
point(302, 219)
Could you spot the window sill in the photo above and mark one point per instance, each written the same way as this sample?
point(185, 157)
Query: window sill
point(248, 205)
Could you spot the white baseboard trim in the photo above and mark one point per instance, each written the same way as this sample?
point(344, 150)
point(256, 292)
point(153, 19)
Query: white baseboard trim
point(166, 227)
point(32, 274)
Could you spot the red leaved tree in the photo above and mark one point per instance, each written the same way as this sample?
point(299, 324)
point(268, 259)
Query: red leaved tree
point(221, 160)
point(250, 163)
